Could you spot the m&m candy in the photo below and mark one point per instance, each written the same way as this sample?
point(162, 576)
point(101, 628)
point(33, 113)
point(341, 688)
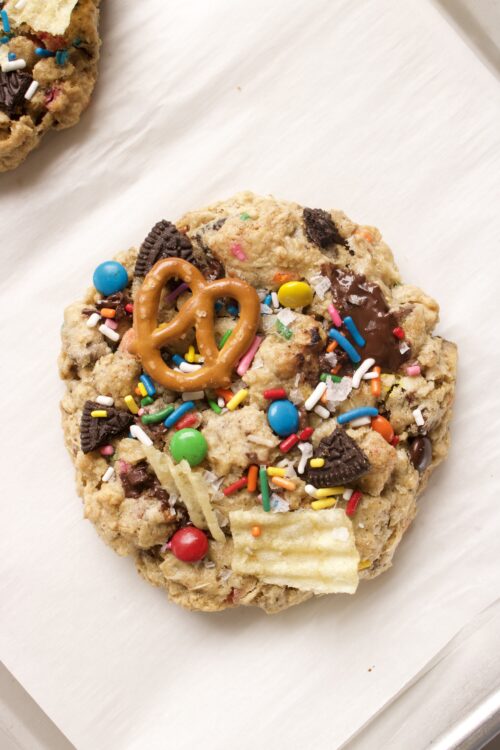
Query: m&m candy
point(189, 444)
point(189, 544)
point(295, 294)
point(110, 277)
point(283, 417)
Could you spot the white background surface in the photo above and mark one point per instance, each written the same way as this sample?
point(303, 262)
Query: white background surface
point(378, 109)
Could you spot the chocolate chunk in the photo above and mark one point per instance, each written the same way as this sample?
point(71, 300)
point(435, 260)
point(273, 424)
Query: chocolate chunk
point(321, 229)
point(344, 461)
point(137, 480)
point(363, 300)
point(163, 241)
point(97, 431)
point(421, 453)
point(208, 264)
point(13, 87)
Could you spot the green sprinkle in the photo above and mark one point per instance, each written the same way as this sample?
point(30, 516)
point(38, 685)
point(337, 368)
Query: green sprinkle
point(225, 338)
point(283, 330)
point(264, 489)
point(147, 400)
point(326, 376)
point(158, 416)
point(214, 406)
point(244, 216)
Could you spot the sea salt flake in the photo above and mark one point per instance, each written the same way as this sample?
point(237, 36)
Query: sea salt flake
point(278, 505)
point(403, 347)
point(338, 392)
point(296, 396)
point(321, 284)
point(286, 316)
point(331, 358)
point(356, 299)
point(265, 310)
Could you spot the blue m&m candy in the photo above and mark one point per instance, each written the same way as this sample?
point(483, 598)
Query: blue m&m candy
point(110, 277)
point(283, 417)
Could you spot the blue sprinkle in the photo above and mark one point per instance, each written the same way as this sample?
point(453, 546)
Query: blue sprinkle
point(345, 344)
point(351, 327)
point(362, 411)
point(233, 310)
point(41, 52)
point(148, 384)
point(11, 55)
point(5, 21)
point(62, 56)
point(77, 42)
point(178, 413)
point(4, 39)
point(218, 306)
point(177, 359)
point(268, 300)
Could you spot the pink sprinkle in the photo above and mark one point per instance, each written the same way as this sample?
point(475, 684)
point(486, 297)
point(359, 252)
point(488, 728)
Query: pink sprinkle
point(140, 412)
point(413, 370)
point(106, 450)
point(238, 251)
point(111, 323)
point(334, 314)
point(247, 358)
point(173, 295)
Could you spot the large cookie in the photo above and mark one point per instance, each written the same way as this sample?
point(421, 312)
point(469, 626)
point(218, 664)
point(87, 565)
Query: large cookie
point(48, 67)
point(308, 479)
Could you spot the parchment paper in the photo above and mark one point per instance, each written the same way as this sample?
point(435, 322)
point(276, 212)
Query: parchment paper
point(374, 107)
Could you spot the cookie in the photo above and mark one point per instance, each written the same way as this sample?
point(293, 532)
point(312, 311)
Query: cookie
point(254, 402)
point(48, 67)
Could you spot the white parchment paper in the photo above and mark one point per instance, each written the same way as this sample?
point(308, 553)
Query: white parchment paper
point(374, 107)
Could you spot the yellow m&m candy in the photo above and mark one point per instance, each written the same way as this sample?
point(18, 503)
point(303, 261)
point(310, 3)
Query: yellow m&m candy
point(295, 294)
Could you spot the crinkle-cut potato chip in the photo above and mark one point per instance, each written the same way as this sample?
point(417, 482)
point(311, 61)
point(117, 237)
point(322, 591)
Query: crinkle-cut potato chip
point(305, 549)
point(52, 16)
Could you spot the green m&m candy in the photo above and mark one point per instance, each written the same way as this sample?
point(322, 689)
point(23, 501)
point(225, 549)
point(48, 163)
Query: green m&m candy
point(189, 444)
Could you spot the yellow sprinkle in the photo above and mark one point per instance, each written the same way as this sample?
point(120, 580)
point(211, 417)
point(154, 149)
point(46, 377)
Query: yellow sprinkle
point(237, 399)
point(275, 471)
point(322, 504)
point(364, 564)
point(328, 491)
point(99, 413)
point(142, 389)
point(317, 463)
point(162, 325)
point(131, 404)
point(198, 358)
point(189, 356)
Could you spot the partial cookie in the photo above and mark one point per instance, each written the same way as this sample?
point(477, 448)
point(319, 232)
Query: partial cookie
point(48, 68)
point(321, 406)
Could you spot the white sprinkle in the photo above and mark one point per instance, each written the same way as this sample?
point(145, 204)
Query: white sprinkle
point(307, 450)
point(310, 490)
point(360, 422)
point(10, 65)
point(275, 300)
point(315, 396)
point(193, 395)
point(32, 90)
point(362, 369)
point(93, 320)
point(105, 400)
point(260, 441)
point(220, 402)
point(107, 331)
point(107, 474)
point(286, 316)
point(371, 375)
point(138, 433)
point(265, 309)
point(403, 347)
point(188, 367)
point(347, 494)
point(322, 412)
point(20, 4)
point(418, 417)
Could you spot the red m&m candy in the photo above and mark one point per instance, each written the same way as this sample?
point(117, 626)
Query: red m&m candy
point(189, 544)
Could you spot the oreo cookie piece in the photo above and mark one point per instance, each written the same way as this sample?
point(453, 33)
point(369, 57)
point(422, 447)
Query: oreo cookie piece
point(344, 461)
point(163, 241)
point(321, 229)
point(97, 431)
point(13, 87)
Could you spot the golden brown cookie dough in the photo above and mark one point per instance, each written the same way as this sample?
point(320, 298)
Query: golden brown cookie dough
point(54, 84)
point(138, 497)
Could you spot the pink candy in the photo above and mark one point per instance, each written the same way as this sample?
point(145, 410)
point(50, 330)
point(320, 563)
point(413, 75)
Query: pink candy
point(238, 251)
point(413, 370)
point(334, 314)
point(106, 450)
point(111, 324)
point(247, 358)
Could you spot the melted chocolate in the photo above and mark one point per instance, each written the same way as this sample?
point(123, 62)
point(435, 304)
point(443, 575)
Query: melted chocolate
point(363, 300)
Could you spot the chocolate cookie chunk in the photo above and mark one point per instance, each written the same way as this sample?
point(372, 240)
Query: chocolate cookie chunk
point(97, 431)
point(163, 241)
point(13, 87)
point(321, 229)
point(344, 461)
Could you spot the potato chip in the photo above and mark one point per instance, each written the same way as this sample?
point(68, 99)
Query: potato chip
point(305, 549)
point(52, 16)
